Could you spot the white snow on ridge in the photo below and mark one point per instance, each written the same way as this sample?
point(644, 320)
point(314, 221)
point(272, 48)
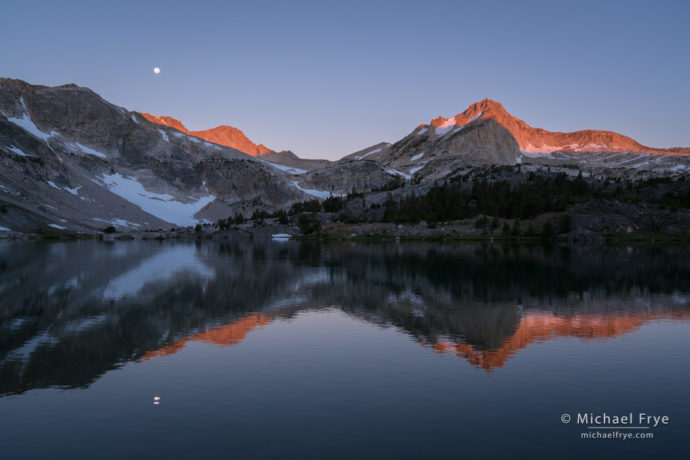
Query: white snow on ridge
point(423, 130)
point(369, 153)
point(118, 222)
point(316, 193)
point(27, 125)
point(529, 148)
point(19, 152)
point(162, 266)
point(161, 205)
point(90, 151)
point(287, 169)
point(164, 135)
point(73, 191)
point(417, 157)
point(414, 170)
point(134, 119)
point(446, 126)
point(476, 117)
point(399, 173)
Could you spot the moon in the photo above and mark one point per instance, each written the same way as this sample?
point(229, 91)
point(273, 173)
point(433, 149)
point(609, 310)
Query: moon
point(156, 70)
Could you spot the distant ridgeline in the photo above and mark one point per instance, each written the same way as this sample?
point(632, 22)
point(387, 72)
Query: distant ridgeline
point(72, 163)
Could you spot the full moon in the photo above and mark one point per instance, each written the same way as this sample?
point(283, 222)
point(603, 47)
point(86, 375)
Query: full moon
point(156, 70)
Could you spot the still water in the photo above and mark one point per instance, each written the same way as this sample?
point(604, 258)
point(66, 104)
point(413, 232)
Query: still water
point(303, 350)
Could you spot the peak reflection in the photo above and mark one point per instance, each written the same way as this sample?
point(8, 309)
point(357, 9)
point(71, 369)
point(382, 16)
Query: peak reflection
point(73, 311)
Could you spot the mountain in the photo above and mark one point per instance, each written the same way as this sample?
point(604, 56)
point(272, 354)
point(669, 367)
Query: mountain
point(485, 133)
point(436, 152)
point(536, 140)
point(223, 135)
point(69, 160)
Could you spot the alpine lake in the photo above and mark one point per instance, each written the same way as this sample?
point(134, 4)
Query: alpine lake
point(289, 349)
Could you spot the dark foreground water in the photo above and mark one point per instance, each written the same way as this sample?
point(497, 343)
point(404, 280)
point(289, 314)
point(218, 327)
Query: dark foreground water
point(289, 350)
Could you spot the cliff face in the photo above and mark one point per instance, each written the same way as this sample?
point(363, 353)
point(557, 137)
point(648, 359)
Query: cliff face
point(222, 135)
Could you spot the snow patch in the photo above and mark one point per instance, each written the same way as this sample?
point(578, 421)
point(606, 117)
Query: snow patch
point(423, 130)
point(161, 205)
point(369, 153)
point(59, 227)
point(287, 169)
point(90, 151)
point(417, 157)
point(134, 119)
point(529, 148)
point(399, 173)
point(19, 152)
point(281, 236)
point(414, 170)
point(28, 125)
point(164, 135)
point(5, 229)
point(118, 222)
point(316, 193)
point(73, 191)
point(446, 126)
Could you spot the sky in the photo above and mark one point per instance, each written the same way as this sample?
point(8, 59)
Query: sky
point(325, 79)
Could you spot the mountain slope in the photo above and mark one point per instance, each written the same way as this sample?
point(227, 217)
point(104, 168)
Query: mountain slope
point(536, 140)
point(434, 153)
point(223, 135)
point(69, 160)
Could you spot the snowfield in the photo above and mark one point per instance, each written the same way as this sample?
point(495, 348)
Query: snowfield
point(161, 205)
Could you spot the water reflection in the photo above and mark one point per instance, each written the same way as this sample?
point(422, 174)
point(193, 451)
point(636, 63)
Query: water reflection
point(73, 311)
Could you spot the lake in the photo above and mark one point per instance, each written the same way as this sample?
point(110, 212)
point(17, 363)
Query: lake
point(341, 350)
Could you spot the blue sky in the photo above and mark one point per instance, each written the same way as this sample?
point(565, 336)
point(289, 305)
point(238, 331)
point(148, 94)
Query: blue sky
point(325, 79)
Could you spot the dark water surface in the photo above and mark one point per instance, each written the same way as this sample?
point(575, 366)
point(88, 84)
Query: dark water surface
point(301, 350)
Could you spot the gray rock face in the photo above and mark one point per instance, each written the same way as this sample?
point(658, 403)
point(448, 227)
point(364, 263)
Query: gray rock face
point(346, 176)
point(435, 152)
point(70, 160)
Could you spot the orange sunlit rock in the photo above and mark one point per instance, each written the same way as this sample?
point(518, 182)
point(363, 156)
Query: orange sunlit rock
point(536, 140)
point(222, 135)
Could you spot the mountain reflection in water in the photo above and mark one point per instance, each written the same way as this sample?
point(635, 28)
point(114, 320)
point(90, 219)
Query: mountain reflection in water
point(73, 311)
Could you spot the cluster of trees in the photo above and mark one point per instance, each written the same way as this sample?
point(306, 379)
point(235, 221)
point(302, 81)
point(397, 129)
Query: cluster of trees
point(513, 198)
point(455, 200)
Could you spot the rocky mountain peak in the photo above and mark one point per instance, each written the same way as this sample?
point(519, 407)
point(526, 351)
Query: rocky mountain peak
point(228, 136)
point(540, 141)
